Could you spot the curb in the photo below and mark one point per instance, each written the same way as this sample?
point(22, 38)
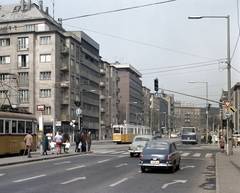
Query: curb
point(217, 179)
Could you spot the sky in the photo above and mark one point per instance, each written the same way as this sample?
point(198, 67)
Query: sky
point(157, 38)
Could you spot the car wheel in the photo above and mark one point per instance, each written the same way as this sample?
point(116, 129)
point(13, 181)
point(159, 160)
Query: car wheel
point(172, 169)
point(131, 154)
point(142, 169)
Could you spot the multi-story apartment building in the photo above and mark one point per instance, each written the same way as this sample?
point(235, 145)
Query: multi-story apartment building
point(43, 64)
point(236, 104)
point(146, 106)
point(109, 98)
point(130, 94)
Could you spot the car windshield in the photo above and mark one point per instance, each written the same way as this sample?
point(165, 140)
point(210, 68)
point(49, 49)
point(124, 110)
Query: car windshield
point(157, 145)
point(141, 139)
point(188, 130)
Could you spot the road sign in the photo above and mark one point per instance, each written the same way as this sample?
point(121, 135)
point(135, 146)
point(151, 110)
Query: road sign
point(78, 111)
point(232, 110)
point(227, 103)
point(227, 114)
point(156, 95)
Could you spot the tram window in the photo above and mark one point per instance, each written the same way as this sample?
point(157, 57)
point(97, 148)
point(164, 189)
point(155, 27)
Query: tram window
point(14, 126)
point(21, 126)
point(1, 126)
point(116, 130)
point(28, 127)
point(6, 126)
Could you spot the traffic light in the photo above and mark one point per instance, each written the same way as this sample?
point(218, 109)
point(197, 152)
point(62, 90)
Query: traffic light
point(224, 123)
point(81, 121)
point(156, 84)
point(209, 106)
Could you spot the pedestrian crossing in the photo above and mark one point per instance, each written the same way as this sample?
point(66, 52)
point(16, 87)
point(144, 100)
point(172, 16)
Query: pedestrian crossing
point(183, 154)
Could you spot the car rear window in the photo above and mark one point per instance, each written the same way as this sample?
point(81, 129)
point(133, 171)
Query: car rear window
point(141, 139)
point(157, 145)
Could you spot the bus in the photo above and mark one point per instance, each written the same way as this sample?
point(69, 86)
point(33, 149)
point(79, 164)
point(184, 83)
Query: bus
point(13, 129)
point(126, 133)
point(189, 135)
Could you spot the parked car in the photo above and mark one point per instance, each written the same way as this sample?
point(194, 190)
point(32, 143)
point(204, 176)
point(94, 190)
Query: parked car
point(174, 135)
point(138, 143)
point(160, 154)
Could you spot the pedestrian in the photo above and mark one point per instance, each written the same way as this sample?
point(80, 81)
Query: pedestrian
point(45, 144)
point(210, 139)
point(83, 141)
point(58, 139)
point(235, 141)
point(222, 144)
point(52, 145)
point(28, 142)
point(89, 140)
point(65, 139)
point(77, 139)
point(67, 146)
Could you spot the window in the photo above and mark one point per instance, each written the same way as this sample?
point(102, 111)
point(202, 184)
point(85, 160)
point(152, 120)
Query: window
point(22, 43)
point(72, 79)
point(30, 27)
point(77, 52)
point(3, 94)
point(23, 61)
point(28, 127)
point(4, 59)
point(47, 111)
point(72, 97)
point(45, 40)
point(72, 49)
point(72, 65)
point(45, 58)
point(45, 92)
point(4, 42)
point(77, 97)
point(4, 77)
point(77, 83)
point(78, 68)
point(1, 126)
point(23, 96)
point(23, 77)
point(45, 75)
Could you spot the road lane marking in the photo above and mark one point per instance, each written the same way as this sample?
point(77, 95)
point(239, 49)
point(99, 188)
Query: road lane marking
point(125, 153)
point(185, 154)
point(196, 155)
point(208, 155)
point(2, 174)
point(30, 178)
point(187, 167)
point(76, 167)
point(121, 165)
point(124, 179)
point(175, 181)
point(104, 161)
point(73, 180)
point(66, 162)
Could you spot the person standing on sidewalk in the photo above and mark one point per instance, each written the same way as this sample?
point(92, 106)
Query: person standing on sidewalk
point(58, 139)
point(83, 141)
point(29, 142)
point(77, 139)
point(222, 144)
point(65, 139)
point(45, 144)
point(89, 140)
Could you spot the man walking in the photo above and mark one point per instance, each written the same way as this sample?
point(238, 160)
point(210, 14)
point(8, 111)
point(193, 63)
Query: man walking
point(89, 140)
point(29, 142)
point(77, 139)
point(83, 141)
point(65, 139)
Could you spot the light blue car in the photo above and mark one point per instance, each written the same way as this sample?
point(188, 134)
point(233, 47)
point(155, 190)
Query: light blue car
point(138, 144)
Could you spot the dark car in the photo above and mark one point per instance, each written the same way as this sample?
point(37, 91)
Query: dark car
point(160, 154)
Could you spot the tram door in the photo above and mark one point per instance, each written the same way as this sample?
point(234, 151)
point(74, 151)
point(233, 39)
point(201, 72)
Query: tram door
point(7, 136)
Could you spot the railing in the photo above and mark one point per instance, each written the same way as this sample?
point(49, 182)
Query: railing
point(65, 67)
point(65, 50)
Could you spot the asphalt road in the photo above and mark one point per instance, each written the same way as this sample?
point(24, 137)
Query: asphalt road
point(110, 169)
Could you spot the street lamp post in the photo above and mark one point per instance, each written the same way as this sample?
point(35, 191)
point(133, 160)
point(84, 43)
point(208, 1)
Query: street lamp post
point(206, 107)
point(127, 110)
point(229, 133)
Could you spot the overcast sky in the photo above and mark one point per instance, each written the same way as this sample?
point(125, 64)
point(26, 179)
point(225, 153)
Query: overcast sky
point(160, 41)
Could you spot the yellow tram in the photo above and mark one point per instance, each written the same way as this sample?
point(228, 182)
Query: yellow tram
point(13, 128)
point(126, 133)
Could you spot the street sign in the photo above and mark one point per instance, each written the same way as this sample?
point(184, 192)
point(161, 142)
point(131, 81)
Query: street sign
point(227, 103)
point(156, 95)
point(227, 114)
point(232, 110)
point(78, 111)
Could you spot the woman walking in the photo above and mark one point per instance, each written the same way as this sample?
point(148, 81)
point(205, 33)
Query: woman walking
point(222, 144)
point(58, 139)
point(45, 144)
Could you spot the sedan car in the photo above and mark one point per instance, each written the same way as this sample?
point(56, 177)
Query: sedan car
point(138, 143)
point(160, 154)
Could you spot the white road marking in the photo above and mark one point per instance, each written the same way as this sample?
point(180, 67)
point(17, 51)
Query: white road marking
point(208, 155)
point(187, 167)
point(185, 154)
point(104, 161)
point(124, 179)
point(196, 155)
point(30, 178)
point(125, 153)
point(121, 165)
point(66, 162)
point(175, 181)
point(76, 167)
point(121, 156)
point(2, 174)
point(73, 180)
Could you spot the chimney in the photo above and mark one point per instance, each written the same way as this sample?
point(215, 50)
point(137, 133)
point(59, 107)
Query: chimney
point(22, 5)
point(29, 4)
point(47, 10)
point(60, 21)
point(41, 5)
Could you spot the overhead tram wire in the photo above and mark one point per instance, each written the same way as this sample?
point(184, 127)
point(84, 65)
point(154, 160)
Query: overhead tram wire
point(118, 10)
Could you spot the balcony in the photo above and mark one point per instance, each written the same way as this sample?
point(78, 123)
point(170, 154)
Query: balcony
point(64, 50)
point(117, 78)
point(64, 85)
point(102, 110)
point(102, 84)
point(64, 118)
point(102, 71)
point(102, 97)
point(65, 67)
point(117, 101)
point(118, 90)
point(65, 101)
point(103, 123)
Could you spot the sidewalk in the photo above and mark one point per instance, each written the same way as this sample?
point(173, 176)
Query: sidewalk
point(228, 172)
